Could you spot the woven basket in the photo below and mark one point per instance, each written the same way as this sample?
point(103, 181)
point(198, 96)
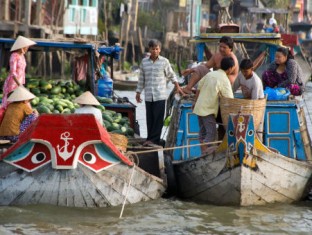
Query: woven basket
point(245, 106)
point(120, 141)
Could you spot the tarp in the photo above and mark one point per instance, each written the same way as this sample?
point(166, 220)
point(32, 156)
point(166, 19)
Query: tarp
point(113, 51)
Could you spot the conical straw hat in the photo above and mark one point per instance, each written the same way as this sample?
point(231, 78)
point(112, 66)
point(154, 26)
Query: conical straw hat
point(22, 42)
point(20, 94)
point(87, 98)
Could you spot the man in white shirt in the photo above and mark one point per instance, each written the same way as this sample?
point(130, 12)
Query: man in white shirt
point(154, 72)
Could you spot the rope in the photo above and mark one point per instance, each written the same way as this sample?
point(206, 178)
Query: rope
point(133, 157)
point(179, 147)
point(128, 190)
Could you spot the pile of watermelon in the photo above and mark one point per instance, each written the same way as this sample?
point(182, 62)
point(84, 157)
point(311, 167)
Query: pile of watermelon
point(57, 96)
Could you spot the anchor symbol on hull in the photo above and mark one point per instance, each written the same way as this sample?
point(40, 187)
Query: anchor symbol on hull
point(240, 124)
point(63, 151)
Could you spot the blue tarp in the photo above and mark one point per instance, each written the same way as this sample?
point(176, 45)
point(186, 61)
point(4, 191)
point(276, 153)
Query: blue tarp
point(113, 51)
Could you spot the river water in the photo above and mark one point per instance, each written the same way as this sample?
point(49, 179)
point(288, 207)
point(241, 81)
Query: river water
point(162, 216)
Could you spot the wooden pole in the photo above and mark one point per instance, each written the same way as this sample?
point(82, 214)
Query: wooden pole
point(105, 20)
point(6, 13)
point(136, 15)
point(15, 20)
point(44, 64)
point(38, 13)
point(141, 46)
point(191, 27)
point(59, 16)
point(50, 64)
point(133, 49)
point(126, 39)
point(121, 38)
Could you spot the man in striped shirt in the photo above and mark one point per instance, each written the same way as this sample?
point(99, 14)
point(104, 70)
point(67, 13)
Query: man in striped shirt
point(154, 72)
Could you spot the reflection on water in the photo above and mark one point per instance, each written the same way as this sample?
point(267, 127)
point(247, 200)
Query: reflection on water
point(163, 216)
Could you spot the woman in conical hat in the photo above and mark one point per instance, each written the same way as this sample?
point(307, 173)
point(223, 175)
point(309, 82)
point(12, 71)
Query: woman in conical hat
point(16, 75)
point(18, 115)
point(88, 104)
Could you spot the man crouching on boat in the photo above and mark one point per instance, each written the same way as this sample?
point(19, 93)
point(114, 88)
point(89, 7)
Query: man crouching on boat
point(206, 103)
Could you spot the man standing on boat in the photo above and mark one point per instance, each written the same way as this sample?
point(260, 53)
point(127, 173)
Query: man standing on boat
point(154, 72)
point(226, 45)
point(206, 104)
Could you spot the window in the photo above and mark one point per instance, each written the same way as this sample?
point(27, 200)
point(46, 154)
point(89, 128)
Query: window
point(83, 15)
point(72, 15)
point(93, 3)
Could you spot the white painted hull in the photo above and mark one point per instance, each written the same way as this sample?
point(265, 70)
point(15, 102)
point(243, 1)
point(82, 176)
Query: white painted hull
point(79, 187)
point(276, 179)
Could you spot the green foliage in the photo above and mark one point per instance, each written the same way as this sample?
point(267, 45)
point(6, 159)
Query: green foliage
point(174, 67)
point(277, 3)
point(127, 66)
point(101, 26)
point(3, 75)
point(67, 69)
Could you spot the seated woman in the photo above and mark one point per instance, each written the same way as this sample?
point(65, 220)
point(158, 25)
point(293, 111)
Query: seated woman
point(87, 102)
point(284, 72)
point(18, 115)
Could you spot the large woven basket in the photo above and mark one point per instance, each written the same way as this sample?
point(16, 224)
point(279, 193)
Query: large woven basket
point(245, 106)
point(120, 141)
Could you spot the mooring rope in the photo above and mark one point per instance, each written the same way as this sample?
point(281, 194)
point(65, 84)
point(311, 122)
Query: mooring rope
point(178, 147)
point(128, 190)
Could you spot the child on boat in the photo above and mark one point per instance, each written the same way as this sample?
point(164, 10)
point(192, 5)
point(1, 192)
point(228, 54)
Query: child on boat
point(18, 115)
point(250, 82)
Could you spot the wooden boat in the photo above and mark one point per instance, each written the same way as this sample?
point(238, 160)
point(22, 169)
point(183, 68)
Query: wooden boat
point(243, 170)
point(69, 160)
point(125, 81)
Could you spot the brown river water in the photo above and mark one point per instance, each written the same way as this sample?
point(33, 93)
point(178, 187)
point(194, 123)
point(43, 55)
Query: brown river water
point(162, 216)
